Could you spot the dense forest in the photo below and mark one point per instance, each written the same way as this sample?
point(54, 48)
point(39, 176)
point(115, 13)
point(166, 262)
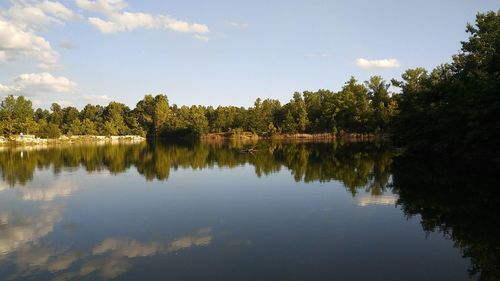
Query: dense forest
point(453, 109)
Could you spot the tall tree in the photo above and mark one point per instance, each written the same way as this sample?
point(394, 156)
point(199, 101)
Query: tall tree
point(455, 110)
point(383, 106)
point(161, 114)
point(16, 115)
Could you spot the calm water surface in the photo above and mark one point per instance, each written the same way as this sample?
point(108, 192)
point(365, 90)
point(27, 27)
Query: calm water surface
point(209, 212)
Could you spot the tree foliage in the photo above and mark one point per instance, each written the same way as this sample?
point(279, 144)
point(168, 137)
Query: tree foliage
point(455, 109)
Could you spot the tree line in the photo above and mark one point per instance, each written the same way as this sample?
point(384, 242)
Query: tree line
point(358, 107)
point(453, 109)
point(356, 165)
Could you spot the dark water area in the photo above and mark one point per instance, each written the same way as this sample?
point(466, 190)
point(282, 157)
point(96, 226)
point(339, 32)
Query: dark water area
point(207, 211)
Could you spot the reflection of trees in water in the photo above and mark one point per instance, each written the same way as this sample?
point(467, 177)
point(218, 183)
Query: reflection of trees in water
point(459, 200)
point(463, 203)
point(357, 165)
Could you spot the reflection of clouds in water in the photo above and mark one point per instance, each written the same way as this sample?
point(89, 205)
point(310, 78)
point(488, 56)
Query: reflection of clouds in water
point(21, 244)
point(106, 267)
point(108, 259)
point(31, 259)
point(55, 189)
point(59, 188)
point(3, 186)
point(132, 248)
point(127, 248)
point(18, 230)
point(377, 200)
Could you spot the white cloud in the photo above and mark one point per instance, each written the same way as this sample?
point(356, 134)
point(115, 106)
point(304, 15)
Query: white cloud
point(19, 26)
point(382, 63)
point(32, 84)
point(39, 15)
point(96, 99)
point(45, 82)
point(130, 21)
point(16, 43)
point(58, 10)
point(118, 20)
point(102, 6)
point(103, 26)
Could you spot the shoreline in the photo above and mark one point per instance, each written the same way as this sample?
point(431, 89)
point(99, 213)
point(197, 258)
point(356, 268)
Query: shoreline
point(311, 137)
point(33, 141)
point(29, 140)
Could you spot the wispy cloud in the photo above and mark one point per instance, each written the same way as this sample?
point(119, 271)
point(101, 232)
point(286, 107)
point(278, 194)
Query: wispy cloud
point(237, 24)
point(96, 99)
point(102, 6)
point(38, 15)
point(381, 63)
point(118, 20)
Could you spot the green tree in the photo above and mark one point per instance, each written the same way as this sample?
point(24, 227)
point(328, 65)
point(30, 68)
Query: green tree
point(16, 115)
point(114, 119)
point(144, 111)
point(297, 108)
point(455, 110)
point(384, 108)
point(161, 115)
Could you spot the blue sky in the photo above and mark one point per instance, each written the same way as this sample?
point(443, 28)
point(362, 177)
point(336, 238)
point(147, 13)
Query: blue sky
point(219, 51)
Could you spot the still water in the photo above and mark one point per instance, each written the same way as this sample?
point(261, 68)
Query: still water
point(288, 211)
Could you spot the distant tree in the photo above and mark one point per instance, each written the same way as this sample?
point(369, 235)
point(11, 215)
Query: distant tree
point(384, 108)
point(144, 111)
point(49, 130)
point(88, 127)
point(161, 114)
point(298, 110)
point(70, 115)
point(114, 119)
point(289, 124)
point(16, 115)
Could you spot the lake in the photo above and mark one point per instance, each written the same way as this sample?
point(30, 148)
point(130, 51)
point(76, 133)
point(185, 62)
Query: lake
point(207, 211)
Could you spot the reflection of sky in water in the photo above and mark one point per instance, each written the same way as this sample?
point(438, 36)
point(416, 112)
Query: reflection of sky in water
point(218, 223)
